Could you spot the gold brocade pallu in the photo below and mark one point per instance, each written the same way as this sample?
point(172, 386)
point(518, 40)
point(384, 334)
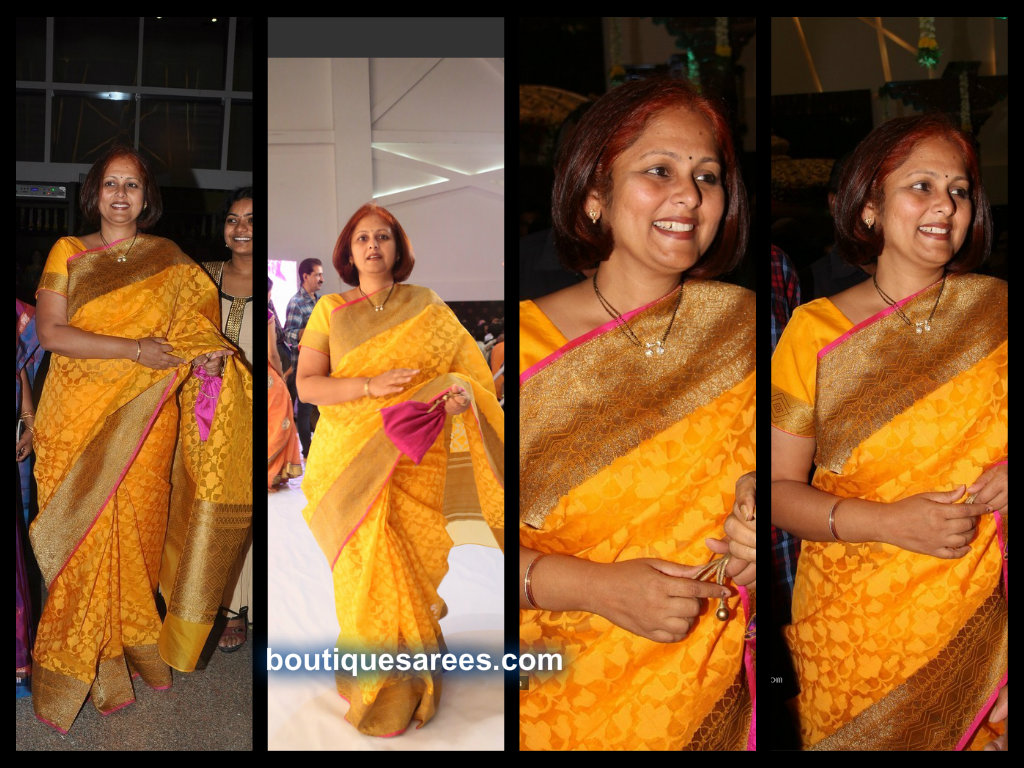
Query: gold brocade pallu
point(382, 521)
point(894, 650)
point(122, 472)
point(625, 457)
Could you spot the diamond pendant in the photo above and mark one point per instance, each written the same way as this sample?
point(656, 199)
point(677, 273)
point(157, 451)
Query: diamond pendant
point(379, 309)
point(653, 347)
point(122, 258)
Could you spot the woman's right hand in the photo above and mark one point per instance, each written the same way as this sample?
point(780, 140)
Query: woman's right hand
point(391, 382)
point(931, 523)
point(155, 352)
point(656, 599)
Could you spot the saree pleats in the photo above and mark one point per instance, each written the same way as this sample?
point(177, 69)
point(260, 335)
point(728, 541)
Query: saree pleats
point(668, 486)
point(105, 436)
point(893, 649)
point(378, 517)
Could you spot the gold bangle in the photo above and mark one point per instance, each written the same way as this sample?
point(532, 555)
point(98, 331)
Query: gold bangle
point(139, 353)
point(832, 521)
point(528, 582)
point(366, 387)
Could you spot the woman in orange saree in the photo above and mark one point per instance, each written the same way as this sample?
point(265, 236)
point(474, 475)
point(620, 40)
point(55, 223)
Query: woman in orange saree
point(634, 436)
point(379, 489)
point(284, 455)
point(899, 634)
point(123, 321)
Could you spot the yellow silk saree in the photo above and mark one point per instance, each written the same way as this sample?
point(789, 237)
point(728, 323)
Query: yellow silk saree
point(895, 650)
point(130, 494)
point(381, 519)
point(624, 457)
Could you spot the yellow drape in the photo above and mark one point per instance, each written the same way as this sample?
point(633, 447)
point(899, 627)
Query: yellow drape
point(105, 438)
point(668, 484)
point(379, 518)
point(875, 627)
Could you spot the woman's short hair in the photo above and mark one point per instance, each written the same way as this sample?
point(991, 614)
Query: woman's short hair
point(89, 201)
point(883, 151)
point(612, 125)
point(232, 197)
point(404, 257)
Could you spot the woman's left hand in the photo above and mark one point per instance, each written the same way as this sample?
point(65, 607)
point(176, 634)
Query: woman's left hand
point(212, 362)
point(991, 488)
point(457, 403)
point(741, 534)
point(24, 447)
point(1000, 712)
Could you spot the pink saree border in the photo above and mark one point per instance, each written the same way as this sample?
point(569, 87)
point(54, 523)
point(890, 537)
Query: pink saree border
point(748, 665)
point(990, 702)
point(97, 249)
point(589, 335)
point(873, 319)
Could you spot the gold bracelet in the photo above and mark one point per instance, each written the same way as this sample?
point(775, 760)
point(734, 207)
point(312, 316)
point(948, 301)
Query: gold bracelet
point(366, 387)
point(139, 353)
point(832, 521)
point(528, 583)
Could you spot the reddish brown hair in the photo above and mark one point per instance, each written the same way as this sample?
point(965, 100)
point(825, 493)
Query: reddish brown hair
point(89, 202)
point(609, 127)
point(883, 151)
point(404, 258)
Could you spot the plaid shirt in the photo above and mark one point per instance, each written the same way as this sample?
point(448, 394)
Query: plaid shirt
point(300, 307)
point(785, 548)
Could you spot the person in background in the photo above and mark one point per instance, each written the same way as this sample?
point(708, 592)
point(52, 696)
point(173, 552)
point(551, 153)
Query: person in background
point(300, 307)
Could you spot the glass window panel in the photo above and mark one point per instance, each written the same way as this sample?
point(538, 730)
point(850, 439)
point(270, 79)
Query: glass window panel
point(30, 117)
point(95, 50)
point(243, 54)
point(31, 47)
point(240, 137)
point(181, 133)
point(86, 126)
point(184, 52)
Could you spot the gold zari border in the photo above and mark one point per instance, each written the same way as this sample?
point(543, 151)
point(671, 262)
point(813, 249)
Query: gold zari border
point(791, 414)
point(935, 707)
point(727, 726)
point(74, 506)
point(896, 367)
point(98, 273)
point(578, 414)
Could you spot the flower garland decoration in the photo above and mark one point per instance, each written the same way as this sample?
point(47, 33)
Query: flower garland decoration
point(722, 47)
point(928, 52)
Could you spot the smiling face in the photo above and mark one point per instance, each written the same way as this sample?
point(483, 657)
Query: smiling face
point(667, 195)
point(925, 212)
point(373, 246)
point(121, 192)
point(238, 227)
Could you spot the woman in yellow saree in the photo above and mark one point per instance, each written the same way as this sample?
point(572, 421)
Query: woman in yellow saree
point(634, 435)
point(121, 443)
point(895, 390)
point(385, 362)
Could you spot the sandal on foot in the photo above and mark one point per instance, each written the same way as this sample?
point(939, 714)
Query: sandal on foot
point(237, 627)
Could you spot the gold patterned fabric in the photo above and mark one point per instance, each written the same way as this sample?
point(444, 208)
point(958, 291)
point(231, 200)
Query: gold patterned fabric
point(625, 457)
point(379, 518)
point(106, 437)
point(892, 649)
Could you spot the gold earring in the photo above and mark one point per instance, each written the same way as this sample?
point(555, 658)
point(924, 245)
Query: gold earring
point(594, 215)
point(869, 223)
